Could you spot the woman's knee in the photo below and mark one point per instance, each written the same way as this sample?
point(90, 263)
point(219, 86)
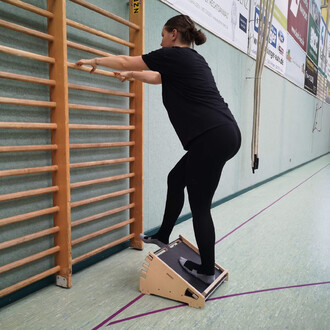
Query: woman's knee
point(175, 179)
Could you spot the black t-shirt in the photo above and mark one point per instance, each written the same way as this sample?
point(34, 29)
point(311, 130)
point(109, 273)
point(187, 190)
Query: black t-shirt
point(190, 95)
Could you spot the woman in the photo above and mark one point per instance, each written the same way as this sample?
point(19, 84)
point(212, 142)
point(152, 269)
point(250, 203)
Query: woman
point(203, 123)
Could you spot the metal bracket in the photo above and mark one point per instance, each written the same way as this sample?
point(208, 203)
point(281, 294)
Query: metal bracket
point(61, 281)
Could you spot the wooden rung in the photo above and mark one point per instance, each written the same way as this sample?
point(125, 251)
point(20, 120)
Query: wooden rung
point(102, 180)
point(22, 53)
point(28, 148)
point(100, 90)
point(101, 162)
point(23, 29)
point(97, 71)
point(102, 197)
point(106, 13)
point(31, 170)
point(98, 33)
point(100, 127)
point(101, 232)
point(29, 259)
point(28, 216)
point(87, 49)
point(33, 103)
point(31, 8)
point(28, 193)
point(28, 238)
point(27, 125)
point(100, 145)
point(103, 248)
point(20, 77)
point(29, 281)
point(101, 215)
point(97, 108)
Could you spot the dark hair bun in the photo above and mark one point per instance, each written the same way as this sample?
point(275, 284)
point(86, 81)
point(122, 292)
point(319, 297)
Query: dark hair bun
point(199, 37)
point(186, 27)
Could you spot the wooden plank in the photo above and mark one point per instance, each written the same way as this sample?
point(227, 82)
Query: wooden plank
point(28, 148)
point(23, 53)
point(28, 216)
point(100, 145)
point(21, 125)
point(29, 281)
point(33, 103)
point(60, 116)
point(101, 232)
point(20, 77)
point(86, 107)
point(30, 170)
point(101, 215)
point(106, 13)
point(99, 33)
point(102, 197)
point(97, 71)
point(136, 15)
point(100, 90)
point(101, 180)
point(102, 162)
point(101, 127)
point(31, 8)
point(29, 259)
point(101, 249)
point(28, 238)
point(23, 29)
point(87, 49)
point(28, 193)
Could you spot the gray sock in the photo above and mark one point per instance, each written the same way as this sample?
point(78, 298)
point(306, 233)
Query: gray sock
point(208, 279)
point(150, 240)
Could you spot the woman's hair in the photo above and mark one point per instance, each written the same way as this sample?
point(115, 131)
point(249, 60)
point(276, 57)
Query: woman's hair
point(186, 27)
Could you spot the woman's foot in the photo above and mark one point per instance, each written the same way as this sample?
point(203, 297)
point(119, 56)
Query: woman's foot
point(193, 269)
point(152, 240)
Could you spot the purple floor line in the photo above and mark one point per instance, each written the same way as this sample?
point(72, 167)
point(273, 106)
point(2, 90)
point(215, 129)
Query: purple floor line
point(141, 295)
point(267, 207)
point(218, 298)
point(119, 311)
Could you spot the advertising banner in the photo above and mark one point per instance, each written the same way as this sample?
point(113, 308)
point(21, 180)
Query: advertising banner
point(277, 47)
point(313, 32)
point(328, 58)
point(321, 86)
point(311, 76)
point(227, 19)
point(295, 62)
point(322, 47)
point(327, 95)
point(298, 21)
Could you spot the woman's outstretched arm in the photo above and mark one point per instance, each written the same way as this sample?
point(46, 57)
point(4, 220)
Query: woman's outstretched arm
point(149, 77)
point(117, 62)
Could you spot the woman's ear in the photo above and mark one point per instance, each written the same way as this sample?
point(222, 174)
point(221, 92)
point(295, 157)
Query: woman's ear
point(174, 34)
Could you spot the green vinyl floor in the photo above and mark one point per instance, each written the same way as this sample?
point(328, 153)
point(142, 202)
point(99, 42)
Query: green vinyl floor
point(275, 241)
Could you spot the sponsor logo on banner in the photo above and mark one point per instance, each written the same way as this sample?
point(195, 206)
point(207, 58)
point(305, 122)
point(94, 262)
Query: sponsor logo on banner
point(276, 50)
point(298, 21)
point(295, 62)
point(227, 19)
point(311, 76)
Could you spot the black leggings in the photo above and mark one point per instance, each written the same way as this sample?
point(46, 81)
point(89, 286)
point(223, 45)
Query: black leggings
point(199, 170)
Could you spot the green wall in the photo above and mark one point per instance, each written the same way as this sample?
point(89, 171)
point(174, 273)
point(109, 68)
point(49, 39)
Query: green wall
point(286, 123)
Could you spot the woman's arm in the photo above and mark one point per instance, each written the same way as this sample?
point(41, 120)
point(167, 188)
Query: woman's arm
point(150, 77)
point(117, 62)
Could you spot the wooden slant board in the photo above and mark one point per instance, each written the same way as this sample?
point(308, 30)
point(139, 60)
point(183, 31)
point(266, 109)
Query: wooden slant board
point(164, 276)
